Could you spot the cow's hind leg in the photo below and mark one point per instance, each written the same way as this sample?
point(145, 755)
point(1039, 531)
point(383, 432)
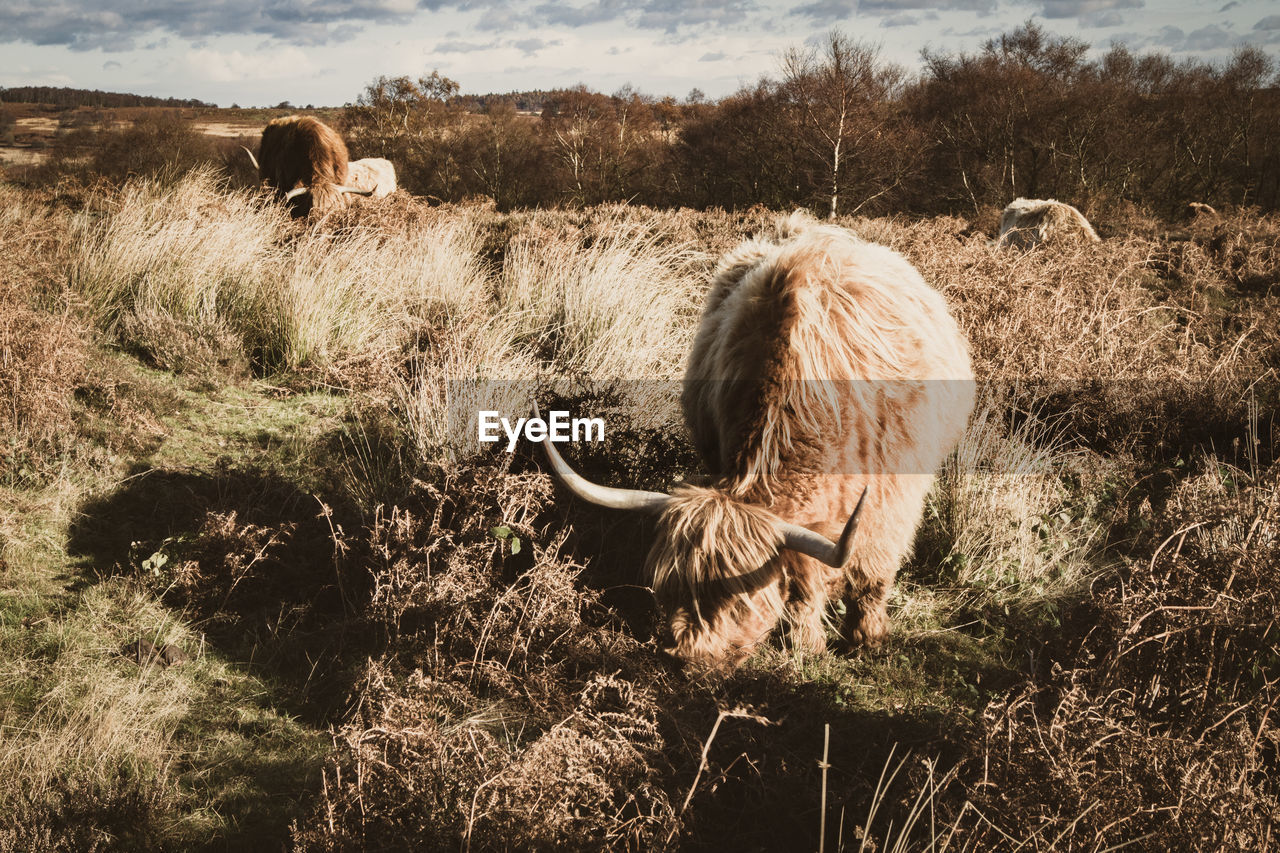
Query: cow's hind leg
point(887, 541)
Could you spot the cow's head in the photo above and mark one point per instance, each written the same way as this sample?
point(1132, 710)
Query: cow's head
point(715, 561)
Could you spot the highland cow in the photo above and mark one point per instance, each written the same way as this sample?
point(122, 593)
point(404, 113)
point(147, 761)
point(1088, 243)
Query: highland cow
point(374, 174)
point(305, 161)
point(1029, 222)
point(827, 382)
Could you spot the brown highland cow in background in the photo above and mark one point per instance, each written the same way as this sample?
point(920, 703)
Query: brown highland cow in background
point(305, 161)
point(827, 382)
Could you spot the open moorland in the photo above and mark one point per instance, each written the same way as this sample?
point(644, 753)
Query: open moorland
point(261, 589)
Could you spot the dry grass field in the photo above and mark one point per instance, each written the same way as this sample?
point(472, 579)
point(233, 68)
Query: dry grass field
point(244, 437)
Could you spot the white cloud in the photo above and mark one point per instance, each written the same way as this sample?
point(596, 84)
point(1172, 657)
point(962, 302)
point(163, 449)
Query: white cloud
point(1086, 9)
point(235, 66)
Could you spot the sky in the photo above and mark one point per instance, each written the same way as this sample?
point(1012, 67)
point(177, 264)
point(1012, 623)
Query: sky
point(324, 52)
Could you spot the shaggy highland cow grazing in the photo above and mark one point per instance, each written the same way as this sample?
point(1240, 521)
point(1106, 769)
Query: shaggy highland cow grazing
point(305, 161)
point(1028, 222)
point(827, 382)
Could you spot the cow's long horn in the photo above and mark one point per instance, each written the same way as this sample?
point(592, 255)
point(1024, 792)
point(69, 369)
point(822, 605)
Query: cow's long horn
point(355, 190)
point(605, 496)
point(816, 545)
point(295, 192)
point(253, 159)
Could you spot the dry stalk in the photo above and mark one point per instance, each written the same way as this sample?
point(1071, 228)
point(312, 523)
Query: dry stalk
point(742, 713)
point(825, 765)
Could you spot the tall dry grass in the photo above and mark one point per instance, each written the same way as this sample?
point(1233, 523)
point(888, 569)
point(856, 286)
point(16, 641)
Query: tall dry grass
point(197, 277)
point(193, 250)
point(44, 345)
point(622, 307)
point(82, 723)
point(196, 256)
point(1061, 312)
point(1007, 526)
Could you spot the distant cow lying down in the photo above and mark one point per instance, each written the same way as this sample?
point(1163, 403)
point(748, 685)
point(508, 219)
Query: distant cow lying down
point(374, 174)
point(306, 162)
point(1029, 222)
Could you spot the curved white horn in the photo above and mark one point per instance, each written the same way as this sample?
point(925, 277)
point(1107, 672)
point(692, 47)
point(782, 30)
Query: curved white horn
point(354, 190)
point(295, 192)
point(601, 495)
point(816, 545)
point(253, 159)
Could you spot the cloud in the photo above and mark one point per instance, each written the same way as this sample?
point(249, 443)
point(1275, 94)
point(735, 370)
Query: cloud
point(1170, 36)
point(668, 15)
point(828, 11)
point(1086, 9)
point(900, 20)
point(712, 57)
point(1211, 37)
point(834, 11)
point(119, 25)
point(116, 25)
point(1271, 22)
point(501, 17)
point(874, 6)
point(1229, 6)
point(234, 66)
point(975, 33)
point(25, 75)
point(567, 15)
point(531, 46)
point(457, 46)
point(1110, 18)
point(111, 65)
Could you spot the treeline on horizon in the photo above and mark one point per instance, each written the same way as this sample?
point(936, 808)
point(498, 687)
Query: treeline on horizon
point(839, 130)
point(836, 130)
point(67, 98)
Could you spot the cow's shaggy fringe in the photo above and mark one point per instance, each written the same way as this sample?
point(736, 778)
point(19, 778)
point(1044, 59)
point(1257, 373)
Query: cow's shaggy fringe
point(704, 540)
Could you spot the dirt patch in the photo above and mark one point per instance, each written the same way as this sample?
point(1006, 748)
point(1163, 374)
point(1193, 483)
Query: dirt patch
point(22, 156)
point(38, 125)
point(226, 129)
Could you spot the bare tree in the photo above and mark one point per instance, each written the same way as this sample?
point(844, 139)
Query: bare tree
point(842, 97)
point(505, 156)
point(412, 123)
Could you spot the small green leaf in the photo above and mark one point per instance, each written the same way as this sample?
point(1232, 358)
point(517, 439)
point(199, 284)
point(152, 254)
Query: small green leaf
point(515, 544)
point(155, 562)
point(501, 532)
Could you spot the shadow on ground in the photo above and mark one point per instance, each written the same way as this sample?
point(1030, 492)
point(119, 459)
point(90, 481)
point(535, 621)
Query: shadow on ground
point(258, 566)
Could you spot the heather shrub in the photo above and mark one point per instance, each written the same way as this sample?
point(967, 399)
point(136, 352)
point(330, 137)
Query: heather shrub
point(42, 361)
point(1154, 722)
